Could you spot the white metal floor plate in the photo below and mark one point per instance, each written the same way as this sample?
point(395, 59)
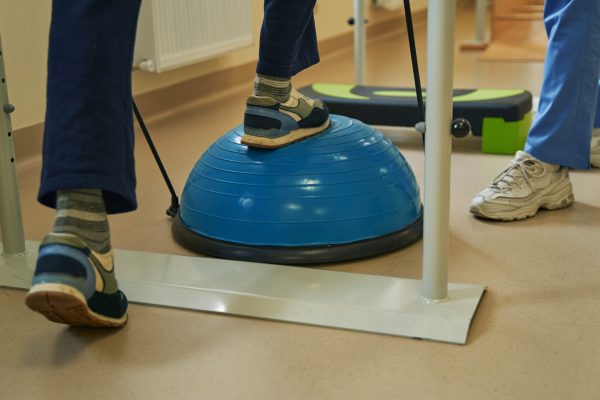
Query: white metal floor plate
point(369, 303)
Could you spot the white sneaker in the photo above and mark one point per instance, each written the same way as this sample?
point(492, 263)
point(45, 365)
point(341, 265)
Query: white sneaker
point(595, 155)
point(524, 187)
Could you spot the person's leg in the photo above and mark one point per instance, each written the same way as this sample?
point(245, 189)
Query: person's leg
point(288, 38)
point(562, 130)
point(277, 114)
point(88, 140)
point(88, 167)
point(560, 136)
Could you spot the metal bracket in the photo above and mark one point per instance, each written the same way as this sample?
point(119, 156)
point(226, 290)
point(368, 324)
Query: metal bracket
point(10, 207)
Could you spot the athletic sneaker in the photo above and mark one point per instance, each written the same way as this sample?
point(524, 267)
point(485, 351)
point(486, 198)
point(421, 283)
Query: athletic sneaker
point(75, 285)
point(270, 124)
point(524, 187)
point(595, 154)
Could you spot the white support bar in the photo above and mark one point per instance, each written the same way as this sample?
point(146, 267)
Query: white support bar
point(360, 42)
point(368, 303)
point(438, 147)
point(10, 206)
point(480, 17)
point(480, 40)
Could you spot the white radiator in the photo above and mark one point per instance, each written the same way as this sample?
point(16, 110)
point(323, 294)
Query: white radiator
point(175, 33)
point(390, 5)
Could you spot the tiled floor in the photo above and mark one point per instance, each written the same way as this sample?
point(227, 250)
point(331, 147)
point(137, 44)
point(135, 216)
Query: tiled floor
point(535, 335)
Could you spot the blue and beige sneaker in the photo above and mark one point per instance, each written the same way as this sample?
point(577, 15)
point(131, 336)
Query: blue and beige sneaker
point(75, 285)
point(270, 124)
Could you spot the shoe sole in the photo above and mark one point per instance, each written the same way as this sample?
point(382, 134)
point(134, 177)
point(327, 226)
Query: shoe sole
point(66, 305)
point(292, 137)
point(556, 201)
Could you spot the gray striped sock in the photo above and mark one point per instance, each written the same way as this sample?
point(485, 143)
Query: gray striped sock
point(274, 87)
point(82, 212)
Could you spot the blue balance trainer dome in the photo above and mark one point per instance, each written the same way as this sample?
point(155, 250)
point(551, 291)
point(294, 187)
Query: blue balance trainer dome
point(343, 194)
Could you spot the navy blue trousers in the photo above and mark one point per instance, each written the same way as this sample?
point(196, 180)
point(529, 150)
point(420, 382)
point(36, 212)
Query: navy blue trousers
point(88, 139)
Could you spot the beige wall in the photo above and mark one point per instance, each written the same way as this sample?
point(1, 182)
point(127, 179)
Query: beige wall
point(24, 28)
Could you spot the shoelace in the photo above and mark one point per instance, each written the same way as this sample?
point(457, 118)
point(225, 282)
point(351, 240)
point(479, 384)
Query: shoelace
point(527, 168)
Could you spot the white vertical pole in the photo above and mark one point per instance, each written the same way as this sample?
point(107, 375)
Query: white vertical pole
point(480, 11)
point(438, 146)
point(13, 240)
point(360, 43)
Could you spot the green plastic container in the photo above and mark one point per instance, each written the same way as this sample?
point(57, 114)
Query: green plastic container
point(501, 137)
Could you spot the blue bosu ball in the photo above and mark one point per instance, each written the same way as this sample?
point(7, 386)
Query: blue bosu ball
point(343, 194)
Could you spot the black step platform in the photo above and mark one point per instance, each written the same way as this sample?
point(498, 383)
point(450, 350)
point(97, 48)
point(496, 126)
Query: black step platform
point(502, 116)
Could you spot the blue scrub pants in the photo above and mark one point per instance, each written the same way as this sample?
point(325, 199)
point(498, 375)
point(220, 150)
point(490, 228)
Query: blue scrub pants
point(88, 139)
point(569, 104)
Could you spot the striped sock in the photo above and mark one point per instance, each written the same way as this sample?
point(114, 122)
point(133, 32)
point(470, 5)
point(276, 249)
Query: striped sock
point(274, 87)
point(82, 212)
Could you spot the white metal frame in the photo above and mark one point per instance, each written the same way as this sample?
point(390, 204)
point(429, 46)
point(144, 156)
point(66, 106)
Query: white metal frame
point(428, 309)
point(480, 40)
point(360, 42)
point(10, 206)
point(480, 18)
